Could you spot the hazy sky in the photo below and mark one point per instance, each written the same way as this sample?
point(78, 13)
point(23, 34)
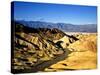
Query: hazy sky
point(73, 14)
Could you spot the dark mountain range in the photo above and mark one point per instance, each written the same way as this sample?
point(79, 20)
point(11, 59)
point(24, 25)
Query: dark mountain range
point(62, 26)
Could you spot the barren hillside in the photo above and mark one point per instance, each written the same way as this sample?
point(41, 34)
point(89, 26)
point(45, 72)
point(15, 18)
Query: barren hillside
point(44, 49)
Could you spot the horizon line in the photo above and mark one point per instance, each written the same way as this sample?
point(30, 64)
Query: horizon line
point(55, 22)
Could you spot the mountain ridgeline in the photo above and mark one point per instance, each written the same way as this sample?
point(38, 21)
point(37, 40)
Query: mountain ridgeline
point(62, 26)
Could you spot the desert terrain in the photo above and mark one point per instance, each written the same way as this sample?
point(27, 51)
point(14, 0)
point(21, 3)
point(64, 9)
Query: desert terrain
point(47, 50)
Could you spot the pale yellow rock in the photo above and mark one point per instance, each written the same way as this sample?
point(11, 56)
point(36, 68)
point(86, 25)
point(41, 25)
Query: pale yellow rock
point(83, 56)
point(65, 40)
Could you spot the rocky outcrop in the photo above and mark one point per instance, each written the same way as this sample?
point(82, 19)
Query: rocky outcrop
point(35, 46)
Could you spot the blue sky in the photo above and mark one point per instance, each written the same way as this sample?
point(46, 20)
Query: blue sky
point(74, 14)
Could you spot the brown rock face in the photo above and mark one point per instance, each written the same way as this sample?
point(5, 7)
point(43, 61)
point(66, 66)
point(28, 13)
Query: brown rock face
point(34, 46)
